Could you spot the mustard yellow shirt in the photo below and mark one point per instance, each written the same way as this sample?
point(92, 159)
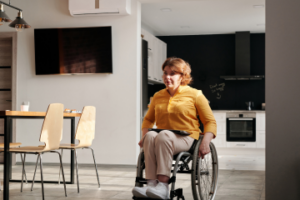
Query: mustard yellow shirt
point(180, 112)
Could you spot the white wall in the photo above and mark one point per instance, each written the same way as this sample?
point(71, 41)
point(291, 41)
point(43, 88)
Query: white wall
point(282, 100)
point(116, 96)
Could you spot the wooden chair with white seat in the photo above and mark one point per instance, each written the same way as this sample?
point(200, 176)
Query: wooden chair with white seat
point(85, 133)
point(51, 135)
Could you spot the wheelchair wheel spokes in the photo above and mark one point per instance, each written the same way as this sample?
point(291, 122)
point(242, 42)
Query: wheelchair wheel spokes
point(205, 175)
point(205, 180)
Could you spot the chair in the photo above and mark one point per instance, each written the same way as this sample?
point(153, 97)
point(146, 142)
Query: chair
point(204, 172)
point(51, 135)
point(85, 133)
point(14, 145)
point(11, 145)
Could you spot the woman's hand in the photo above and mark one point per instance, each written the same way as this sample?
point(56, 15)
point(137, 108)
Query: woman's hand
point(144, 132)
point(204, 146)
point(141, 142)
point(203, 149)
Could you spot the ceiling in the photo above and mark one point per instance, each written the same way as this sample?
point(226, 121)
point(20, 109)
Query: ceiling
point(201, 17)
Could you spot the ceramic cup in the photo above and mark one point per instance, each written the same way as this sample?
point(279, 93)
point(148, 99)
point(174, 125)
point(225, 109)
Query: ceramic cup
point(24, 107)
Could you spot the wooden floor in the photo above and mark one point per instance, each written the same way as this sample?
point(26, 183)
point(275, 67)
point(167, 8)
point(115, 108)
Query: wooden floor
point(117, 183)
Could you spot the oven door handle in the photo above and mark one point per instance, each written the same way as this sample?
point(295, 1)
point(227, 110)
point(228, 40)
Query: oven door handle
point(244, 119)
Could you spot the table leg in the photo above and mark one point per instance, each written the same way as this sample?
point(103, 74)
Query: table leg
point(10, 155)
point(72, 151)
point(7, 160)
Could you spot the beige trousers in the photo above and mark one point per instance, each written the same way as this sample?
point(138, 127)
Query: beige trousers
point(159, 150)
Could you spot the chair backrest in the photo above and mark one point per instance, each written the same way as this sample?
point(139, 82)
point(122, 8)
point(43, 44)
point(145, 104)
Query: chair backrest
point(52, 127)
point(85, 132)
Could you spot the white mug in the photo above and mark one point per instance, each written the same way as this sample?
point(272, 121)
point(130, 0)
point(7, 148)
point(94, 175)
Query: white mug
point(24, 107)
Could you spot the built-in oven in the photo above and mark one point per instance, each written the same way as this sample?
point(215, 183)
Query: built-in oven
point(240, 127)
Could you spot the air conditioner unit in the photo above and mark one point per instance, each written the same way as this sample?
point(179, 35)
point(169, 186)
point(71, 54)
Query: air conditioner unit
point(79, 8)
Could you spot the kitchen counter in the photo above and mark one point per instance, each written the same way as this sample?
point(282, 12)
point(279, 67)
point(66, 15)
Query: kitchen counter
point(257, 111)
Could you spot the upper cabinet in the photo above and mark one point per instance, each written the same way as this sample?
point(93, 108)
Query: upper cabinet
point(157, 54)
point(162, 56)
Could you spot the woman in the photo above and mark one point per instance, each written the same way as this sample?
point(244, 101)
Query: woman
point(173, 108)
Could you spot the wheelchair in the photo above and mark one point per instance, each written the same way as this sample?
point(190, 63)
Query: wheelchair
point(204, 173)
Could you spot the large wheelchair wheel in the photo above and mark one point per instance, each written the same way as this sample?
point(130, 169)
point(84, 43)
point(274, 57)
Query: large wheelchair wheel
point(140, 169)
point(204, 174)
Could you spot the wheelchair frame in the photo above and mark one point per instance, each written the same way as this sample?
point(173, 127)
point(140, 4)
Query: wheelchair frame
point(183, 167)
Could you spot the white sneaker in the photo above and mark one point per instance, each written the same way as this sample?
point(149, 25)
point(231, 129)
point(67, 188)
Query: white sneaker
point(161, 191)
point(140, 192)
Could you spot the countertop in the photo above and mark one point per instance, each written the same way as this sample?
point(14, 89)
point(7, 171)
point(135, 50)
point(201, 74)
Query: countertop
point(257, 111)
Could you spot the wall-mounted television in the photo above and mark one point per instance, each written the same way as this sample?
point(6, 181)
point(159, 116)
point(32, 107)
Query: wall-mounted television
point(73, 50)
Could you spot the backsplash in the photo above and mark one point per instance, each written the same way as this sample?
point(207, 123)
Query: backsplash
point(211, 56)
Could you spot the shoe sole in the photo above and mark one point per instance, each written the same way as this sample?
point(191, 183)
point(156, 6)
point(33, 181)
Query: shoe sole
point(154, 196)
point(138, 195)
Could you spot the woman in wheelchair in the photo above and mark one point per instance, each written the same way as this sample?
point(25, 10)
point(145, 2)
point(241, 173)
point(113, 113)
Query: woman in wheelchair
point(173, 108)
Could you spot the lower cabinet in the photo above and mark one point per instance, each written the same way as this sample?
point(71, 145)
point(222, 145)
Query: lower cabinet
point(220, 140)
point(221, 128)
point(261, 139)
point(241, 144)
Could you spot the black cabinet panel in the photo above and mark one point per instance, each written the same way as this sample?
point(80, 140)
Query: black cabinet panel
point(212, 56)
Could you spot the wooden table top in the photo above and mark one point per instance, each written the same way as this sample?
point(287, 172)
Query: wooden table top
point(33, 114)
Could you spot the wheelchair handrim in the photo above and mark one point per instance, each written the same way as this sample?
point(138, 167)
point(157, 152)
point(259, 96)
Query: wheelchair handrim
point(196, 174)
point(212, 187)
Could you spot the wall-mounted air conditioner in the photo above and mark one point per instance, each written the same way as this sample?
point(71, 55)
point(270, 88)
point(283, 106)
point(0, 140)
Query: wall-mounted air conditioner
point(79, 8)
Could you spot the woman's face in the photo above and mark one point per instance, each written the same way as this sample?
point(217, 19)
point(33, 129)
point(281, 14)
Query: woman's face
point(171, 79)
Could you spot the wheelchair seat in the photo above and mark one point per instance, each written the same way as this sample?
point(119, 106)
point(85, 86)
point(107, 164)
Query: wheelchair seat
point(204, 172)
point(191, 150)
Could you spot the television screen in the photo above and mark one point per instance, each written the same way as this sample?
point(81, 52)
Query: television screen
point(73, 50)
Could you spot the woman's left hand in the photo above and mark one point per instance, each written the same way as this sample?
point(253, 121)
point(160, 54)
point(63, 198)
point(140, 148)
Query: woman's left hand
point(204, 146)
point(203, 149)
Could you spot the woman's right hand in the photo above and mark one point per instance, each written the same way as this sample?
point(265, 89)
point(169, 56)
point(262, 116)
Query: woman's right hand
point(144, 132)
point(141, 143)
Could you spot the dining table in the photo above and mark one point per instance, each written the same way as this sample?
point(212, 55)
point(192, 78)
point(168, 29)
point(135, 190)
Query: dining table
point(8, 117)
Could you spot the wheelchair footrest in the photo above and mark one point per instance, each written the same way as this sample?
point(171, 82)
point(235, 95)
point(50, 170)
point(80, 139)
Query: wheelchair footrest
point(182, 172)
point(136, 198)
point(144, 181)
point(176, 193)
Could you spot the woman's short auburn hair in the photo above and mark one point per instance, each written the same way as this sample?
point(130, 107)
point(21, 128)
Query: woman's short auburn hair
point(179, 66)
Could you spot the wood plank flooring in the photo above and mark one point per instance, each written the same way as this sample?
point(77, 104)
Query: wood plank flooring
point(118, 181)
